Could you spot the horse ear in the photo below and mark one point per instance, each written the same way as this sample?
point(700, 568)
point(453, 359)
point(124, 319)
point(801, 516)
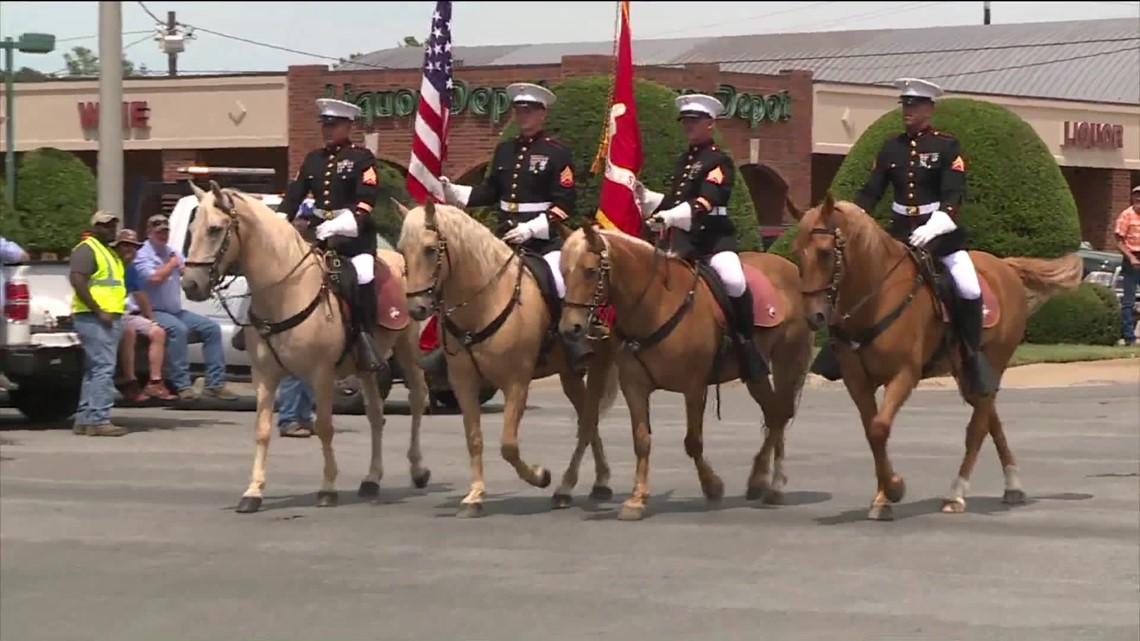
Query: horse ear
point(400, 208)
point(221, 200)
point(593, 238)
point(795, 212)
point(563, 230)
point(199, 193)
point(828, 206)
point(429, 213)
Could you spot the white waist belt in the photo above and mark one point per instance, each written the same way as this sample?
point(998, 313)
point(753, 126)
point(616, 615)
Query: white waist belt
point(523, 208)
point(718, 211)
point(915, 210)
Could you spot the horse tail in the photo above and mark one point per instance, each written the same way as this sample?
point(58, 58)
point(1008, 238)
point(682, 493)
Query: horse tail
point(1045, 277)
point(610, 391)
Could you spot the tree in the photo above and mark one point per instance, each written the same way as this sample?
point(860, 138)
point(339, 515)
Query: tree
point(81, 62)
point(393, 186)
point(27, 74)
point(576, 120)
point(1017, 202)
point(351, 57)
point(54, 200)
point(410, 41)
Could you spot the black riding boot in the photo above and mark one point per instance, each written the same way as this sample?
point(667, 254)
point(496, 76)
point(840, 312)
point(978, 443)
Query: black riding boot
point(238, 340)
point(367, 355)
point(578, 354)
point(979, 376)
point(825, 363)
point(753, 367)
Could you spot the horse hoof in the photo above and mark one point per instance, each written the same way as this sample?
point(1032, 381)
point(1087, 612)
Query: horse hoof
point(561, 501)
point(631, 513)
point(773, 497)
point(327, 499)
point(545, 480)
point(1013, 497)
point(881, 513)
point(895, 489)
point(248, 505)
point(421, 480)
point(470, 511)
point(601, 493)
point(756, 492)
point(368, 490)
point(953, 506)
point(714, 490)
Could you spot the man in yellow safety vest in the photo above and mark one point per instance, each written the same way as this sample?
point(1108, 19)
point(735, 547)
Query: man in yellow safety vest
point(99, 279)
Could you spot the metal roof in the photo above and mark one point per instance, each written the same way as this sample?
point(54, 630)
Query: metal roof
point(1087, 60)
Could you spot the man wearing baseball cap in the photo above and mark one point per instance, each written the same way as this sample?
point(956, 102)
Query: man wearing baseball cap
point(97, 276)
point(1127, 232)
point(139, 321)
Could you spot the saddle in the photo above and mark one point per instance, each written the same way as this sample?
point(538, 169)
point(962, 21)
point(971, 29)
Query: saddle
point(391, 303)
point(941, 284)
point(540, 269)
point(767, 308)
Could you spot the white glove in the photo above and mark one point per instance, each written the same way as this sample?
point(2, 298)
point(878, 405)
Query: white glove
point(344, 224)
point(538, 227)
point(680, 217)
point(455, 195)
point(939, 223)
point(646, 199)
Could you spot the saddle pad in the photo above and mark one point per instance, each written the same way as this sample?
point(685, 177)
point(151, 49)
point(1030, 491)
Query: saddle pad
point(540, 269)
point(767, 308)
point(991, 310)
point(391, 302)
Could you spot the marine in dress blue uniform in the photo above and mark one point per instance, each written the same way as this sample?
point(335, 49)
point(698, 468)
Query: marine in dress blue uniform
point(531, 182)
point(695, 213)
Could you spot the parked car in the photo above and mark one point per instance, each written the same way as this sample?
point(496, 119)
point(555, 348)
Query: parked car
point(1099, 261)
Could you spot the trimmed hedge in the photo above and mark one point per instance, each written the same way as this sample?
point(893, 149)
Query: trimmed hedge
point(1017, 202)
point(56, 195)
point(1088, 315)
point(392, 185)
point(576, 120)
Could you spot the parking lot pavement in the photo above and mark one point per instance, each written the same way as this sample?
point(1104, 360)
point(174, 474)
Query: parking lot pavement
point(135, 538)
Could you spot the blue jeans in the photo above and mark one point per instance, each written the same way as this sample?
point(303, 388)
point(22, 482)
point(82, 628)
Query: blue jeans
point(177, 366)
point(1131, 277)
point(294, 402)
point(100, 348)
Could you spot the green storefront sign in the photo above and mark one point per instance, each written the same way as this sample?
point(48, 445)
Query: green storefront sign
point(493, 103)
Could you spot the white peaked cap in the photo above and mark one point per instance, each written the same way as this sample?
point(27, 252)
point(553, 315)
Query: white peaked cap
point(696, 104)
point(332, 108)
point(526, 92)
point(917, 88)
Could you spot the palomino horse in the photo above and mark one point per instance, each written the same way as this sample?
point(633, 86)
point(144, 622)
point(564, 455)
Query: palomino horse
point(891, 330)
point(673, 334)
point(299, 326)
point(497, 319)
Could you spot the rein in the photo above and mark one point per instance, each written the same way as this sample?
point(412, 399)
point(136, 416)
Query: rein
point(860, 339)
point(468, 339)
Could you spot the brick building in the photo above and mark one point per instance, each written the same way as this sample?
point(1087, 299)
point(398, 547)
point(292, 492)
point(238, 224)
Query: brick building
point(768, 130)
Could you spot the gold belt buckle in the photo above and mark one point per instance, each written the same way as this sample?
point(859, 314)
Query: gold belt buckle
point(512, 207)
point(912, 211)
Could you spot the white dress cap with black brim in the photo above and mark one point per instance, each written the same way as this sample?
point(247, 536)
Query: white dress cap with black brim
point(333, 110)
point(527, 94)
point(916, 90)
point(697, 105)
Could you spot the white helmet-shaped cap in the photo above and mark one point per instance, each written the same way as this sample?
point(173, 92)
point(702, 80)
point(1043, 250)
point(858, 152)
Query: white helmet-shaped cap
point(697, 105)
point(331, 109)
point(525, 93)
point(912, 90)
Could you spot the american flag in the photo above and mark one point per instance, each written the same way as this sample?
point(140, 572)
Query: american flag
point(429, 140)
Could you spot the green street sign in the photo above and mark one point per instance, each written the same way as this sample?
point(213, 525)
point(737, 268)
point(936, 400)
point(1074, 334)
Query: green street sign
point(36, 43)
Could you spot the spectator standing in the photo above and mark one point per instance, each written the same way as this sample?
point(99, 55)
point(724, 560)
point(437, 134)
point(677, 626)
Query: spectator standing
point(98, 278)
point(295, 408)
point(1128, 242)
point(160, 267)
point(10, 252)
point(139, 321)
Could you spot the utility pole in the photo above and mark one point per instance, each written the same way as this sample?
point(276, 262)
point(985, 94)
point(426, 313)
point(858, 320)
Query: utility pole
point(111, 107)
point(986, 12)
point(171, 56)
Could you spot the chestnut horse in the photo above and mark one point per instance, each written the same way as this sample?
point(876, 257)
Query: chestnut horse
point(673, 337)
point(301, 328)
point(494, 326)
point(876, 295)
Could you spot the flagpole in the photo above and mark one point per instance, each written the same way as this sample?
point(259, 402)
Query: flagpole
point(603, 143)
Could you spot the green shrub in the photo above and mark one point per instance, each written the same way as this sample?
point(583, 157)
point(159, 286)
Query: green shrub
point(55, 197)
point(577, 119)
point(393, 185)
point(9, 222)
point(1088, 315)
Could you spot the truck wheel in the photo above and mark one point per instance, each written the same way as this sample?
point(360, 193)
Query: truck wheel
point(45, 407)
point(446, 398)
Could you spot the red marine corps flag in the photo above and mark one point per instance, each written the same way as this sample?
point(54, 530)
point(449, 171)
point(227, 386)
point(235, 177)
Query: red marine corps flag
point(621, 143)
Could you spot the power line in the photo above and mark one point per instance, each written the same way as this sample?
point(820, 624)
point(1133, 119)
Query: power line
point(739, 20)
point(874, 13)
point(149, 12)
point(95, 35)
point(1028, 65)
point(267, 45)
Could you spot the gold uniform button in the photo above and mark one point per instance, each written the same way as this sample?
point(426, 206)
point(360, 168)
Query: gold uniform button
point(514, 186)
point(518, 166)
point(910, 185)
point(520, 157)
point(910, 196)
point(913, 142)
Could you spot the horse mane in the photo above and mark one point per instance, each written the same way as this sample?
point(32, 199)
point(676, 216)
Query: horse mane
point(463, 233)
point(863, 233)
point(625, 243)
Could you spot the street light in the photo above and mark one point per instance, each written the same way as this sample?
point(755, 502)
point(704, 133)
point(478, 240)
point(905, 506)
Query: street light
point(27, 43)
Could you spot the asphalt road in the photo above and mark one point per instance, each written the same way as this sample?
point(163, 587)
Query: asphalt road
point(135, 539)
